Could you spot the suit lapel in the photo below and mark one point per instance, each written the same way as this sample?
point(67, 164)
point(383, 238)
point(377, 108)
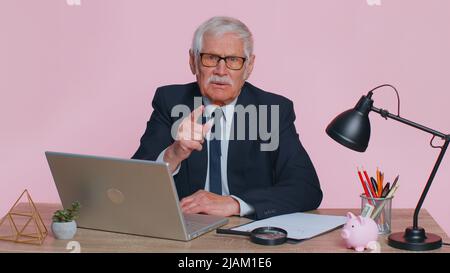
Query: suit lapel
point(238, 150)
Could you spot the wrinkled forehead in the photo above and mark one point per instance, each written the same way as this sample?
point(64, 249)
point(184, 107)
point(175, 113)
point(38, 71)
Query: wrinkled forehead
point(224, 44)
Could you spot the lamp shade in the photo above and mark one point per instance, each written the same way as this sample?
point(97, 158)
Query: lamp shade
point(352, 127)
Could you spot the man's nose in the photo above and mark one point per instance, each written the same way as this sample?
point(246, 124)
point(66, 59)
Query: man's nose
point(221, 68)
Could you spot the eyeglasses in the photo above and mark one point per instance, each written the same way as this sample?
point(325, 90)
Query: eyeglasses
point(232, 62)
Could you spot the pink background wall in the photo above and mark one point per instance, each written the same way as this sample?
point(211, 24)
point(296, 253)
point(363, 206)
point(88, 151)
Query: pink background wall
point(81, 78)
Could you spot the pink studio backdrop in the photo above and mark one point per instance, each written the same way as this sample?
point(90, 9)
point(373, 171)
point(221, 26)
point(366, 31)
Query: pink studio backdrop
point(81, 78)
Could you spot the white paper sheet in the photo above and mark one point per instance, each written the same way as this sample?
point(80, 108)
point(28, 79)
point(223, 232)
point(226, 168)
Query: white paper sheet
point(299, 225)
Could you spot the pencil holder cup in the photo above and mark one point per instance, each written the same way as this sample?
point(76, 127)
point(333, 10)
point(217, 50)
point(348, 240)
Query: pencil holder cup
point(379, 209)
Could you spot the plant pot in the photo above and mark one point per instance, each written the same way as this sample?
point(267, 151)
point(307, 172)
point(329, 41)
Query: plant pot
point(64, 230)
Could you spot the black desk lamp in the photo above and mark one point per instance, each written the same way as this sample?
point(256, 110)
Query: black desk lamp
point(352, 129)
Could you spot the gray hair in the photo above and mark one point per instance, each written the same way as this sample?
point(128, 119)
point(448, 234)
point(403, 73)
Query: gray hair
point(218, 26)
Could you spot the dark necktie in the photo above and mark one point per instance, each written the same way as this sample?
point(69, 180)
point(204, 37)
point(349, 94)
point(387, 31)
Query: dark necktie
point(215, 153)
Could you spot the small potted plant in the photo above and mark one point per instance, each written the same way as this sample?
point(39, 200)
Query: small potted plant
point(64, 226)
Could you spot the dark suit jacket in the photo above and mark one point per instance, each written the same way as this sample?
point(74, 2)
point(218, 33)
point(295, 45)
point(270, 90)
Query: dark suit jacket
point(273, 182)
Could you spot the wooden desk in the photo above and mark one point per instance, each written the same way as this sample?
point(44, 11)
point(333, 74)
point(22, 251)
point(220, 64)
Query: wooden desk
point(98, 241)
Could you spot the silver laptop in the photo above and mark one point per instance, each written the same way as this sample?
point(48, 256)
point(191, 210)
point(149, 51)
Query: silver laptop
point(127, 196)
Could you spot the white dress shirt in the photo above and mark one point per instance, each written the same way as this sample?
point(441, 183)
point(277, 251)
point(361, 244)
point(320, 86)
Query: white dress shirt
point(227, 118)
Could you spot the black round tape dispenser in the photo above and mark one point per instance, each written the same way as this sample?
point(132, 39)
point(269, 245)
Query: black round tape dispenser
point(268, 236)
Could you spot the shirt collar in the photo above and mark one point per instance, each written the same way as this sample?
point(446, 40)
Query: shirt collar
point(227, 109)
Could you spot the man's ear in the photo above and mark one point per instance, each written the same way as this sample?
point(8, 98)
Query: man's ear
point(249, 69)
point(192, 63)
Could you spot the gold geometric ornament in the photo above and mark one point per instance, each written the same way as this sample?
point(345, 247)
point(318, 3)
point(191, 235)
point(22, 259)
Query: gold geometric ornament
point(25, 223)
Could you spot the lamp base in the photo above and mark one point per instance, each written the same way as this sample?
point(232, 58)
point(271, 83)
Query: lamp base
point(415, 239)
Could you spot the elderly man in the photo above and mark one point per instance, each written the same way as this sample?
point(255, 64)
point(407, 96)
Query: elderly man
point(224, 175)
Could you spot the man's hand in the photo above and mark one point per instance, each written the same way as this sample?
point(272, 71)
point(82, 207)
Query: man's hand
point(190, 137)
point(210, 203)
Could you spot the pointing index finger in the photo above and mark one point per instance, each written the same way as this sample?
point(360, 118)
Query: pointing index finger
point(197, 113)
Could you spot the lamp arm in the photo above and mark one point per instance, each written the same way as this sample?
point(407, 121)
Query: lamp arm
point(428, 185)
point(386, 114)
